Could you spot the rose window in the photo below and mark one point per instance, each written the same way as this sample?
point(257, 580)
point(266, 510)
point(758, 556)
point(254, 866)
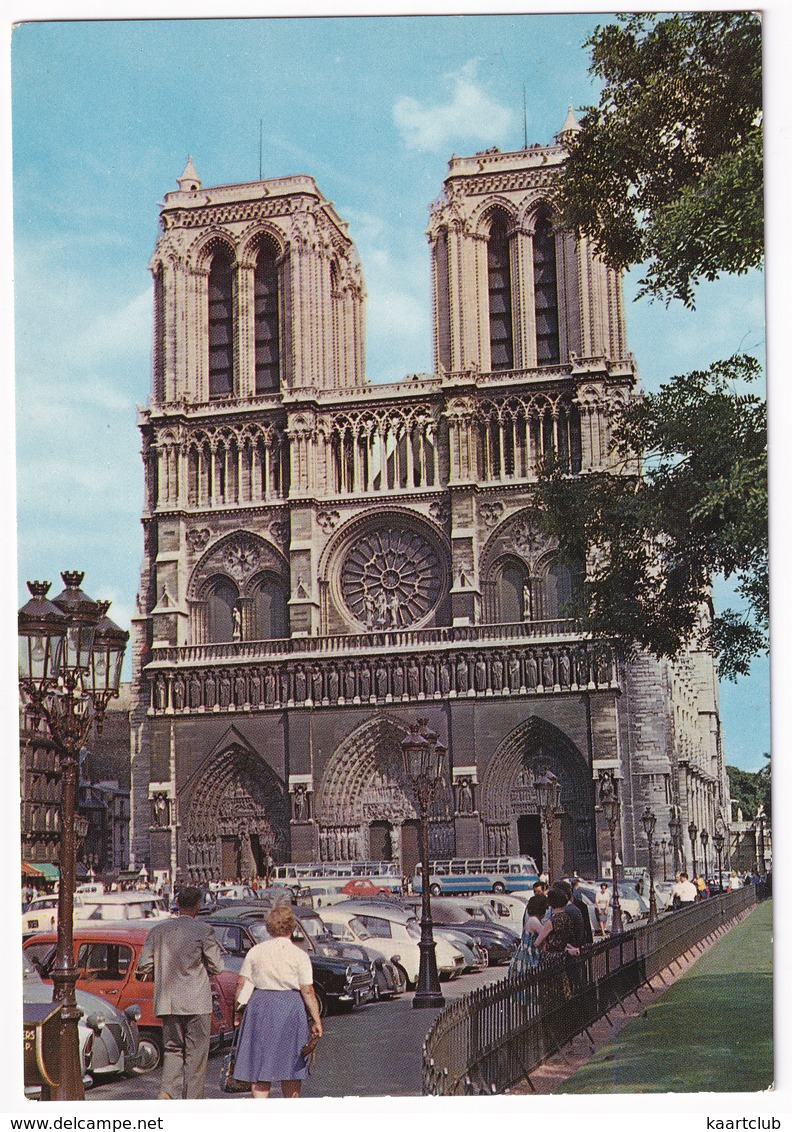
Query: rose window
point(390, 578)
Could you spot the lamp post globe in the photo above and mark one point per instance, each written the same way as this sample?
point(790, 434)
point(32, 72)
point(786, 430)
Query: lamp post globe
point(704, 837)
point(67, 674)
point(423, 758)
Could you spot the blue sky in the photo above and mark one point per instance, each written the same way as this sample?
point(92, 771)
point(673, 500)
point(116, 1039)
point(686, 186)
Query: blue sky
point(104, 116)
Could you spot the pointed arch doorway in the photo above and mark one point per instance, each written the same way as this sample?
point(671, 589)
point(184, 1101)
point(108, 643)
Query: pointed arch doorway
point(237, 815)
point(364, 804)
point(509, 804)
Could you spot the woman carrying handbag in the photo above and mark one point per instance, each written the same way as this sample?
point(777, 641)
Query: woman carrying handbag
point(276, 1040)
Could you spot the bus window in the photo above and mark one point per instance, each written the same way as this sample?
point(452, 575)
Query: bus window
point(458, 868)
point(490, 865)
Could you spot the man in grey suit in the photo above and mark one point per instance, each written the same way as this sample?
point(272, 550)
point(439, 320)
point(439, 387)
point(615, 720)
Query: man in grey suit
point(183, 952)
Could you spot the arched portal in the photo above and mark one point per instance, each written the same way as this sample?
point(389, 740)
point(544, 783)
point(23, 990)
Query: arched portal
point(364, 804)
point(509, 805)
point(237, 816)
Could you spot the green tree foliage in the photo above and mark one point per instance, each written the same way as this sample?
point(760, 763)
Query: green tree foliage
point(750, 790)
point(667, 169)
point(654, 540)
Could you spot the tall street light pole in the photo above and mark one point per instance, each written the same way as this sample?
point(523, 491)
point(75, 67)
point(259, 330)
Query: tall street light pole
point(693, 834)
point(548, 801)
point(704, 837)
point(424, 762)
point(663, 847)
point(718, 839)
point(649, 821)
point(70, 657)
point(675, 833)
point(611, 807)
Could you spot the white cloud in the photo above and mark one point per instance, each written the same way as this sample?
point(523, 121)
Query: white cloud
point(469, 115)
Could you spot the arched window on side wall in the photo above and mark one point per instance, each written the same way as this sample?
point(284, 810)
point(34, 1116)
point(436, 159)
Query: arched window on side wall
point(500, 295)
point(221, 596)
point(271, 611)
point(545, 291)
point(221, 326)
point(562, 591)
point(267, 318)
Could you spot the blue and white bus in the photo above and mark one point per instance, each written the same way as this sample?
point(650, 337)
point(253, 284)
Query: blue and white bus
point(479, 874)
point(333, 875)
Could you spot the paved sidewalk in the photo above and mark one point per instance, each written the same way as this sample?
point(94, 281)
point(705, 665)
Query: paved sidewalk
point(712, 1031)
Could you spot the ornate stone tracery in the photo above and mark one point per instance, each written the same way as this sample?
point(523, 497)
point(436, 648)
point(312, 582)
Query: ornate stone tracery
point(390, 578)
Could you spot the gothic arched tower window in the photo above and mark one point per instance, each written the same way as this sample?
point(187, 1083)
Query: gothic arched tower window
point(271, 610)
point(546, 290)
point(267, 318)
point(499, 285)
point(221, 597)
point(221, 325)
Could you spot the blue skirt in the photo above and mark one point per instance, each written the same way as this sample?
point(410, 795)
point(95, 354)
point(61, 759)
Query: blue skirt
point(274, 1029)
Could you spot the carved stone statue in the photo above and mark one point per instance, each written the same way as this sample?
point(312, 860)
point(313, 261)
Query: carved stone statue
point(465, 796)
point(236, 632)
point(254, 687)
point(316, 685)
point(349, 683)
point(547, 671)
point(300, 802)
point(160, 808)
point(240, 690)
point(284, 686)
point(269, 687)
point(225, 690)
point(413, 679)
point(398, 681)
point(195, 691)
point(514, 673)
point(480, 673)
point(178, 693)
point(210, 690)
point(461, 676)
point(300, 685)
point(160, 693)
point(564, 670)
point(365, 683)
point(531, 672)
point(527, 603)
point(497, 674)
point(445, 678)
point(332, 685)
point(382, 681)
point(429, 677)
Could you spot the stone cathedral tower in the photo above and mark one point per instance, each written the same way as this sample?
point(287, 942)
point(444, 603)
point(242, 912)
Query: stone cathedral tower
point(327, 559)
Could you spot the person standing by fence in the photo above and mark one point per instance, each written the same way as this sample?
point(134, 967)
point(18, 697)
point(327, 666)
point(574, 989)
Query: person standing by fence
point(602, 903)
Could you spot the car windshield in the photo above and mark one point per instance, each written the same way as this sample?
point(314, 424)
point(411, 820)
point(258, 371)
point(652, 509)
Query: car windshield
point(258, 930)
point(359, 928)
point(44, 902)
point(314, 927)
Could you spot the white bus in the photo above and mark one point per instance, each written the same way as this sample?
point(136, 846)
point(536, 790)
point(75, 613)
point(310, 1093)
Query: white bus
point(336, 875)
point(479, 874)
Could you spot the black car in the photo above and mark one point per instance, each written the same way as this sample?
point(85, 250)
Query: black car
point(499, 942)
point(339, 982)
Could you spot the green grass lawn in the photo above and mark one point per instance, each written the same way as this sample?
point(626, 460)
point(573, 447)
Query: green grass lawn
point(712, 1031)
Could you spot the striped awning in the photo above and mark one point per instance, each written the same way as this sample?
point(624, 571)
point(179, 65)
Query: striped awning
point(48, 871)
point(29, 870)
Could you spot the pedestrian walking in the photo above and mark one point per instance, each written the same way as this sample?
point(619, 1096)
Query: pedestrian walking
point(526, 957)
point(182, 953)
point(277, 979)
point(602, 903)
point(583, 907)
point(684, 892)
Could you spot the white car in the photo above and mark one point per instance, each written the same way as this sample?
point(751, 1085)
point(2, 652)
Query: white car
point(42, 913)
point(394, 934)
point(122, 906)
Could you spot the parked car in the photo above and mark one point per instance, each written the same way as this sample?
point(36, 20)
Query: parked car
point(395, 930)
point(41, 914)
point(109, 1039)
point(476, 958)
point(107, 957)
point(389, 979)
point(499, 943)
point(340, 982)
point(117, 906)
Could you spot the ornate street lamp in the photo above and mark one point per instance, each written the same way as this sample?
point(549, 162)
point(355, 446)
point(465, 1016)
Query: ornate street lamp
point(693, 834)
point(675, 833)
point(610, 806)
point(70, 657)
point(548, 801)
point(760, 845)
point(424, 760)
point(649, 821)
point(718, 840)
point(663, 847)
point(704, 836)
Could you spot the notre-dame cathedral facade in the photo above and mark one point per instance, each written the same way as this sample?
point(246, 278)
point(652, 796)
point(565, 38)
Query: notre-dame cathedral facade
point(328, 559)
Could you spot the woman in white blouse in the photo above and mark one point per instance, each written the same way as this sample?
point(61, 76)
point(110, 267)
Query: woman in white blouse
point(276, 982)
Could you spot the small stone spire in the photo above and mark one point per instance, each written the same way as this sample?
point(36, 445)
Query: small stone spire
point(570, 127)
point(189, 180)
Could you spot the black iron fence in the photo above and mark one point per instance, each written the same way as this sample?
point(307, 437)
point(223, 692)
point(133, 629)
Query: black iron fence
point(495, 1036)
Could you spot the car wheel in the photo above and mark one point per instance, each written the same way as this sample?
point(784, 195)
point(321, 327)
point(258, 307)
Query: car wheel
point(150, 1050)
point(435, 890)
point(321, 1000)
point(499, 886)
point(403, 975)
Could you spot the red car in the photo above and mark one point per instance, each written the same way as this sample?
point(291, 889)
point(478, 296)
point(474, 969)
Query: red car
point(362, 888)
point(107, 958)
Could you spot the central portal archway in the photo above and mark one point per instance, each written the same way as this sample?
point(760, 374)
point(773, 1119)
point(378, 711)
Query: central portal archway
point(509, 803)
point(364, 803)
